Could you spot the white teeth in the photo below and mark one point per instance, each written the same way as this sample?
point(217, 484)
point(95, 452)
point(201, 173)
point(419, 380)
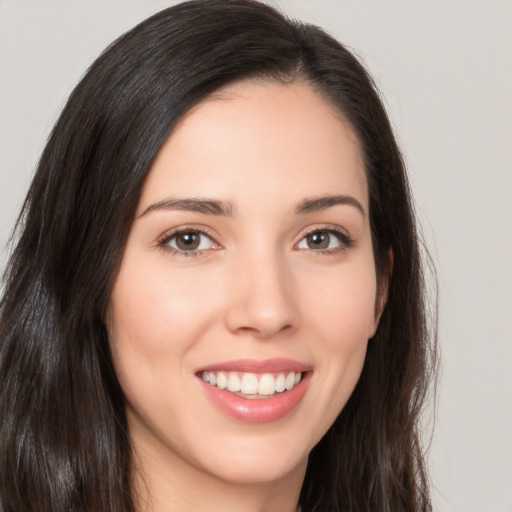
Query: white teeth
point(252, 384)
point(222, 380)
point(267, 385)
point(234, 383)
point(290, 381)
point(281, 383)
point(249, 384)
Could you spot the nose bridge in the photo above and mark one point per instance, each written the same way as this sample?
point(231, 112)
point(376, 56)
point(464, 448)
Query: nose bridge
point(262, 302)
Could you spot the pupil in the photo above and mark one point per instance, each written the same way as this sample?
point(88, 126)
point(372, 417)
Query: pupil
point(188, 241)
point(318, 240)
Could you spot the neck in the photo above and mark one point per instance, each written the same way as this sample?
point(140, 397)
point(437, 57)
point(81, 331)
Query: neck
point(164, 482)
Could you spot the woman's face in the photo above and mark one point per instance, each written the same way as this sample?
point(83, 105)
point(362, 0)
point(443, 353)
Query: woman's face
point(246, 294)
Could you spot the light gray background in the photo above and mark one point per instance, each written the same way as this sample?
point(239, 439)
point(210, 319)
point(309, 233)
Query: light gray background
point(445, 69)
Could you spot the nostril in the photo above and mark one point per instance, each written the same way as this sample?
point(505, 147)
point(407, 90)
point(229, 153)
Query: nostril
point(265, 330)
point(262, 304)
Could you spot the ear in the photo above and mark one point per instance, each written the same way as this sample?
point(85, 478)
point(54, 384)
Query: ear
point(382, 289)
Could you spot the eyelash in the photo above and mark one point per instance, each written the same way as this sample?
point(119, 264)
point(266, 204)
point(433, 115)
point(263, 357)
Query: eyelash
point(345, 240)
point(163, 243)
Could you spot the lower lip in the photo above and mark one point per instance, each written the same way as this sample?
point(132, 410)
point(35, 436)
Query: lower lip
point(257, 410)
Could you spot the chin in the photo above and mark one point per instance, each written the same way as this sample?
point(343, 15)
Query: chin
point(253, 469)
point(255, 459)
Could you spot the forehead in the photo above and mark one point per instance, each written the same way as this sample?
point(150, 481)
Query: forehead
point(253, 137)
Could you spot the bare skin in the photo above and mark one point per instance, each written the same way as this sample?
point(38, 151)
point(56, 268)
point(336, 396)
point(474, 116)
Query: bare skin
point(251, 241)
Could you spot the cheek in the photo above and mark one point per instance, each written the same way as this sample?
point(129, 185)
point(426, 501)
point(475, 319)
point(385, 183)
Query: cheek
point(348, 320)
point(341, 315)
point(341, 303)
point(156, 312)
point(352, 315)
point(155, 321)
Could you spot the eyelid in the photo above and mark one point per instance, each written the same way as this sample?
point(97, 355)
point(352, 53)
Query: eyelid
point(342, 234)
point(163, 240)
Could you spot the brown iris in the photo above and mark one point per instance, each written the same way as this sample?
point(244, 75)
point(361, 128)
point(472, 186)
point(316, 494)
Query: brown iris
point(188, 241)
point(318, 240)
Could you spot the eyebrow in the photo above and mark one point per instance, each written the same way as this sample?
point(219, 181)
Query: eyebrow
point(200, 205)
point(223, 208)
point(322, 203)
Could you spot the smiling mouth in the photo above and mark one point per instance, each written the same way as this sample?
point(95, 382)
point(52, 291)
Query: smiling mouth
point(252, 385)
point(253, 390)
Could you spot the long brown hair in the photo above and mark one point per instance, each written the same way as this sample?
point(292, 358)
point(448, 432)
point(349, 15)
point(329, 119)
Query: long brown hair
point(64, 444)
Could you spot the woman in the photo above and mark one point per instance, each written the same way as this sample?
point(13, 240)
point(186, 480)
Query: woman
point(227, 311)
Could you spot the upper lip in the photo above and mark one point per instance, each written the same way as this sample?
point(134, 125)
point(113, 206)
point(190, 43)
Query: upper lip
point(257, 366)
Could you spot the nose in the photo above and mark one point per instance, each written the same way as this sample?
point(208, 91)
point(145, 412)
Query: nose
point(262, 302)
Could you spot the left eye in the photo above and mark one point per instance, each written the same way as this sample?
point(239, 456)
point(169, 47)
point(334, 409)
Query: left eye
point(189, 241)
point(321, 240)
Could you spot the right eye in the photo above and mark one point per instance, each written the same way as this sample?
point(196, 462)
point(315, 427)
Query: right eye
point(188, 242)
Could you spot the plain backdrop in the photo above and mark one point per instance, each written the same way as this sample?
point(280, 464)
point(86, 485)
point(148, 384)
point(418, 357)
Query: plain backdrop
point(445, 71)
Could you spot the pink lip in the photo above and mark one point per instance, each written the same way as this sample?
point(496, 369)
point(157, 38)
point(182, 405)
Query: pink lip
point(257, 366)
point(259, 410)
